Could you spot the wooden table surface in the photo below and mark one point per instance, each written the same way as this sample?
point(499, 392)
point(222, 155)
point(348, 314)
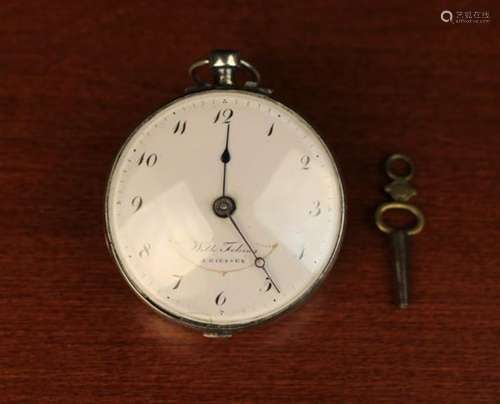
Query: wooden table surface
point(374, 78)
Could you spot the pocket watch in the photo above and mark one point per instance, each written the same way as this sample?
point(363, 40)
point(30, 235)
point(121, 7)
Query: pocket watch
point(224, 208)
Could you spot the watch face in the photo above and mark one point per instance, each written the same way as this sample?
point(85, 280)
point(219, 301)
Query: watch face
point(224, 209)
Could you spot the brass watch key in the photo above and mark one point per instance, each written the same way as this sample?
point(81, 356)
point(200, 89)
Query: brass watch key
point(401, 192)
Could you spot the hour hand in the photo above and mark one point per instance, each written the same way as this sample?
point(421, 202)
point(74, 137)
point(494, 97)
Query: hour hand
point(225, 158)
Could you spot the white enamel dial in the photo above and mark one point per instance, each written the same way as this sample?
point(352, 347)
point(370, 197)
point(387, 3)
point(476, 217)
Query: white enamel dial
point(200, 268)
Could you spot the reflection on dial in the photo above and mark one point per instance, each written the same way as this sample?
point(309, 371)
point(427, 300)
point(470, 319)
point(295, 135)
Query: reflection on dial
point(190, 262)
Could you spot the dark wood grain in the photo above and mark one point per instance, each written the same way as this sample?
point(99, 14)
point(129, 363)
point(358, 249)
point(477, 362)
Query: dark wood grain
point(374, 78)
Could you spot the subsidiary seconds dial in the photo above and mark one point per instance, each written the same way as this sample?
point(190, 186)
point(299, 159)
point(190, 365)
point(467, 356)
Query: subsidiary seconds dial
point(224, 209)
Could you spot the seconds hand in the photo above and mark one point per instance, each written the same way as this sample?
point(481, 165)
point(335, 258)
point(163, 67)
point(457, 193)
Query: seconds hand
point(225, 158)
point(259, 261)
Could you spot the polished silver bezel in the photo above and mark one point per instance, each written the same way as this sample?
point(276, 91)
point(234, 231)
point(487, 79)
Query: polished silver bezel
point(211, 329)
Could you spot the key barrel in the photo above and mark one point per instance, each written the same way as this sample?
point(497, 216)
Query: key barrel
point(399, 240)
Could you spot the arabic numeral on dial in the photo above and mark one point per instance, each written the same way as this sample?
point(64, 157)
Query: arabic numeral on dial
point(136, 203)
point(269, 285)
point(224, 115)
point(271, 129)
point(305, 160)
point(301, 255)
point(145, 251)
point(220, 299)
point(178, 282)
point(180, 127)
point(149, 160)
point(316, 209)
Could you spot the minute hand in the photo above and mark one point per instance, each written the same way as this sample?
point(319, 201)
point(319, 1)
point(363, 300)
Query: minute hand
point(259, 261)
